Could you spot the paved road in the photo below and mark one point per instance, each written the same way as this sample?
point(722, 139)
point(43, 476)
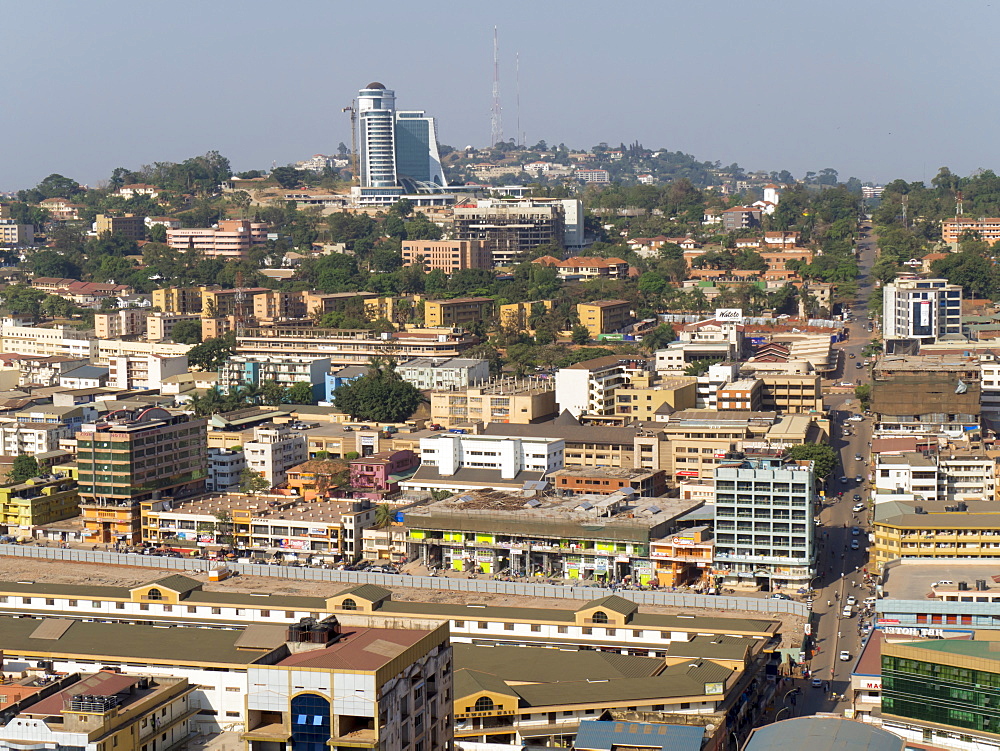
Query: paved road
point(841, 569)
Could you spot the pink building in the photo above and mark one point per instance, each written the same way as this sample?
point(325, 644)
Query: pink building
point(377, 476)
point(230, 238)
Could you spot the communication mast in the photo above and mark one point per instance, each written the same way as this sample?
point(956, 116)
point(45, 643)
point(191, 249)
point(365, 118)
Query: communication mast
point(496, 122)
point(354, 136)
point(517, 85)
point(241, 314)
point(959, 208)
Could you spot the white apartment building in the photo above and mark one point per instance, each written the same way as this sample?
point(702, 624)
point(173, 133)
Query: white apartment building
point(108, 348)
point(19, 235)
point(709, 383)
point(273, 451)
point(444, 372)
point(906, 476)
point(144, 371)
point(966, 476)
point(923, 309)
point(589, 386)
point(989, 395)
point(224, 468)
point(456, 462)
point(31, 438)
point(60, 341)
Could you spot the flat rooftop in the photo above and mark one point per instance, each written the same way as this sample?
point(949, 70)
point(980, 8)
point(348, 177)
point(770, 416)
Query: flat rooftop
point(912, 581)
point(619, 473)
point(273, 507)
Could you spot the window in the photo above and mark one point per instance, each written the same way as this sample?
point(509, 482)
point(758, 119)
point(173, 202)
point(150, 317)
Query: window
point(483, 625)
point(348, 604)
point(310, 717)
point(599, 616)
point(216, 611)
point(535, 628)
point(459, 624)
point(232, 714)
point(483, 704)
point(154, 594)
point(508, 627)
point(50, 601)
point(265, 613)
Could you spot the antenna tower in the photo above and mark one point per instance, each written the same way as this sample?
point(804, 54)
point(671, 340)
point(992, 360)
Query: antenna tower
point(905, 202)
point(959, 208)
point(496, 122)
point(240, 308)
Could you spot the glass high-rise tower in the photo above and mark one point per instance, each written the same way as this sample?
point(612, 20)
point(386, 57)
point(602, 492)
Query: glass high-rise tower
point(397, 149)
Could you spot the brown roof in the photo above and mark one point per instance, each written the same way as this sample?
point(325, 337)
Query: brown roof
point(360, 649)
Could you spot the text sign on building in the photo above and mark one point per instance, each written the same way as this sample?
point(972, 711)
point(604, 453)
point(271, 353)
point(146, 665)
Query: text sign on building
point(872, 685)
point(729, 315)
point(905, 631)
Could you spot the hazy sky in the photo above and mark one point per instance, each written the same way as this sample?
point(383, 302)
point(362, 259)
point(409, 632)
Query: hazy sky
point(876, 90)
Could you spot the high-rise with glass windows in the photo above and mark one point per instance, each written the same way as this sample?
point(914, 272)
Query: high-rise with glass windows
point(764, 521)
point(397, 149)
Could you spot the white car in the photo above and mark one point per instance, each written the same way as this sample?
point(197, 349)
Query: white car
point(858, 507)
point(855, 418)
point(852, 600)
point(847, 612)
point(845, 656)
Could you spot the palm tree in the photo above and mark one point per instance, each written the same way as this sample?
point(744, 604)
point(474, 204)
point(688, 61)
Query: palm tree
point(385, 515)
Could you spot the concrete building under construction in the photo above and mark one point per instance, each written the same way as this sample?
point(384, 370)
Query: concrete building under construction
point(926, 393)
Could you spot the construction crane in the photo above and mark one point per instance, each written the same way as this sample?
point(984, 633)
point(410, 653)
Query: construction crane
point(354, 136)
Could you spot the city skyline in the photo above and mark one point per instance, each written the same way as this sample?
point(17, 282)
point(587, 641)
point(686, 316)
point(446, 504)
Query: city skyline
point(780, 87)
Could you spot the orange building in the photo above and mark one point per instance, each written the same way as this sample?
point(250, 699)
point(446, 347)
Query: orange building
point(608, 480)
point(448, 256)
point(682, 557)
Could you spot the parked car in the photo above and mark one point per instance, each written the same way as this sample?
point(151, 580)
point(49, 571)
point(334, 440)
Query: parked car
point(857, 497)
point(780, 596)
point(847, 612)
point(852, 600)
point(858, 479)
point(944, 583)
point(845, 656)
point(858, 507)
point(855, 531)
point(855, 545)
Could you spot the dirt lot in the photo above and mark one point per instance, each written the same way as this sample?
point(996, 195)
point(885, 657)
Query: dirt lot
point(21, 569)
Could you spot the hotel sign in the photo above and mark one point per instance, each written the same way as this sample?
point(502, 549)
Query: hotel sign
point(906, 631)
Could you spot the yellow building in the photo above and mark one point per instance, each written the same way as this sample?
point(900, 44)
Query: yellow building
point(935, 530)
point(178, 299)
point(510, 400)
point(604, 316)
point(381, 307)
point(37, 501)
point(645, 395)
point(458, 312)
point(132, 227)
point(515, 316)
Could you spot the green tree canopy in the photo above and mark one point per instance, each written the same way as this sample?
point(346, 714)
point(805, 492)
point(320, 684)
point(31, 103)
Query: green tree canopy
point(24, 468)
point(824, 456)
point(380, 395)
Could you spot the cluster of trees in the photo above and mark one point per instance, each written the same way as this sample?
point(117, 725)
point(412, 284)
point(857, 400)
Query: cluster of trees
point(23, 300)
point(380, 395)
point(268, 393)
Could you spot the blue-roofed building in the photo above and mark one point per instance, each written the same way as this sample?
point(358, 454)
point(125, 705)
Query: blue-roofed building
point(600, 735)
point(822, 734)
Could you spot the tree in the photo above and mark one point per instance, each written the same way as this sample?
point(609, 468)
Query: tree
point(863, 392)
point(287, 177)
point(824, 456)
point(301, 393)
point(157, 233)
point(24, 468)
point(187, 332)
point(211, 354)
point(700, 367)
point(252, 482)
point(658, 338)
point(581, 335)
point(380, 395)
point(385, 515)
point(273, 393)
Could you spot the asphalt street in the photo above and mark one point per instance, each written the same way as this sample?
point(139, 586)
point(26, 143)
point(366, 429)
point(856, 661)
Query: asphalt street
point(841, 569)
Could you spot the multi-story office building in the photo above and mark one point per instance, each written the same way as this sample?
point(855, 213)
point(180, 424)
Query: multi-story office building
point(740, 217)
point(132, 456)
point(589, 387)
point(646, 396)
point(988, 228)
point(230, 239)
point(764, 522)
point(461, 311)
point(60, 341)
point(242, 370)
point(397, 149)
point(517, 316)
point(131, 226)
point(936, 530)
point(448, 256)
point(513, 400)
point(454, 372)
point(273, 450)
point(182, 300)
point(351, 347)
point(259, 524)
point(508, 231)
point(745, 394)
point(29, 438)
point(41, 500)
point(348, 681)
point(926, 394)
point(608, 480)
point(596, 536)
point(604, 316)
point(922, 309)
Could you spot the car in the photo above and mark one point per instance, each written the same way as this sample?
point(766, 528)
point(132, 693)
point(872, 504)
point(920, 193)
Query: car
point(845, 383)
point(855, 418)
point(817, 683)
point(847, 612)
point(852, 600)
point(855, 531)
point(857, 496)
point(780, 596)
point(858, 507)
point(852, 355)
point(858, 365)
point(843, 480)
point(944, 583)
point(858, 458)
point(845, 655)
point(858, 479)
point(854, 545)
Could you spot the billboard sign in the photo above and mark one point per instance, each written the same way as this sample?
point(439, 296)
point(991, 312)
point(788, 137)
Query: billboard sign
point(729, 315)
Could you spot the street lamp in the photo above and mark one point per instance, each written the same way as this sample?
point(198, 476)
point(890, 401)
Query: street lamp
point(783, 709)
